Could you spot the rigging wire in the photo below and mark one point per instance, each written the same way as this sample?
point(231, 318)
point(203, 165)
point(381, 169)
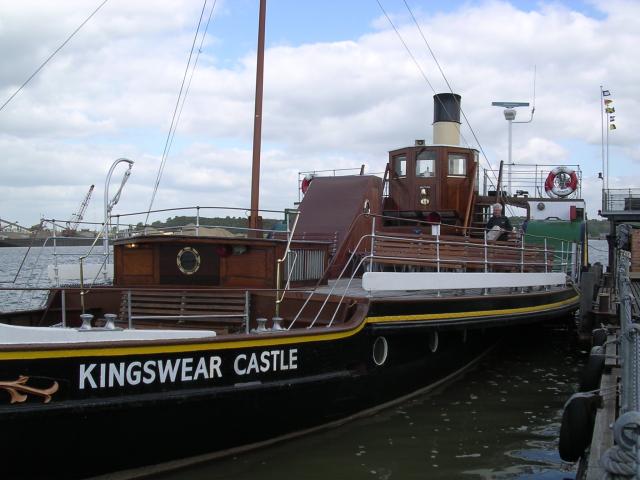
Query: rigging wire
point(415, 61)
point(433, 55)
point(195, 63)
point(42, 65)
point(180, 101)
point(491, 169)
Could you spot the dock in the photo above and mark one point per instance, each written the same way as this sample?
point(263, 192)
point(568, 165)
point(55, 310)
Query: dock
point(605, 426)
point(615, 444)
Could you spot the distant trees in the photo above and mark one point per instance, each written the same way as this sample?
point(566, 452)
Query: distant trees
point(178, 221)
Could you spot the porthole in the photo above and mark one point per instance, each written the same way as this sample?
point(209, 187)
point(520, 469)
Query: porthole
point(433, 341)
point(380, 351)
point(188, 260)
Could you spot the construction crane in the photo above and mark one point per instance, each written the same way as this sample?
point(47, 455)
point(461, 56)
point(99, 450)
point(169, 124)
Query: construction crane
point(76, 218)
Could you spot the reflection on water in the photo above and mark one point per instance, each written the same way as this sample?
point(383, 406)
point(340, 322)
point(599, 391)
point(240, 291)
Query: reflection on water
point(500, 421)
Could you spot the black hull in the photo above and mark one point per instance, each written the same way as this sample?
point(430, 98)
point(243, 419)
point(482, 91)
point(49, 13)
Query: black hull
point(79, 438)
point(119, 407)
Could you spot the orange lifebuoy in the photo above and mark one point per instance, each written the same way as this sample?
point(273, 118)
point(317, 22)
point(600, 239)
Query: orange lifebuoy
point(561, 182)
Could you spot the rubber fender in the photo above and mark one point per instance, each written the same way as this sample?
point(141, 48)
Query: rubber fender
point(592, 371)
point(576, 429)
point(598, 337)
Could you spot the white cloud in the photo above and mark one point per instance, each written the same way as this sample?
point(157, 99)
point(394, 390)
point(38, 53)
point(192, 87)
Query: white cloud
point(111, 91)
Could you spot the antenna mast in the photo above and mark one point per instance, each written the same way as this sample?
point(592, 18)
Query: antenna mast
point(510, 116)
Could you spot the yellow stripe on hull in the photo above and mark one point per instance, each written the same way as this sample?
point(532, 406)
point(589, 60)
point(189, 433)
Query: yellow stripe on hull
point(266, 340)
point(475, 313)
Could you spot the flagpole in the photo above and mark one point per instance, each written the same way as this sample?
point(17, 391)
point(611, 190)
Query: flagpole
point(602, 133)
point(608, 154)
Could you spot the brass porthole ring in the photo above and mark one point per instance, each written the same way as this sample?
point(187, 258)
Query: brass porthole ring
point(188, 260)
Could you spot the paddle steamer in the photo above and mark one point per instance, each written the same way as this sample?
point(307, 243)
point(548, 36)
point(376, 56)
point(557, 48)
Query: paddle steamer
point(379, 289)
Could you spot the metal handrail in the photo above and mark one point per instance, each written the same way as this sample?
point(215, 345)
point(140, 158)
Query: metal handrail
point(623, 455)
point(532, 176)
point(279, 263)
point(81, 260)
point(344, 268)
point(563, 264)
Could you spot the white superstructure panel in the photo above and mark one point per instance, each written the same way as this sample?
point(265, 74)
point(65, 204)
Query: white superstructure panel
point(453, 280)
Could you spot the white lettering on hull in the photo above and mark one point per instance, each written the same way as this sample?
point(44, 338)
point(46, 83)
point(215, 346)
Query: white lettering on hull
point(269, 360)
point(122, 374)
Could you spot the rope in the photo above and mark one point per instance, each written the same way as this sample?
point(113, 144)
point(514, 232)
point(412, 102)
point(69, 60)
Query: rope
point(52, 55)
point(424, 75)
point(195, 63)
point(433, 55)
point(177, 109)
point(618, 463)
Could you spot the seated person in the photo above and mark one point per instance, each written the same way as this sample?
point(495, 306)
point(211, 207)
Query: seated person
point(498, 223)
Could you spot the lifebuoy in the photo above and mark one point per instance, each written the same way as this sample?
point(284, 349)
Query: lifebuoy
point(306, 181)
point(561, 182)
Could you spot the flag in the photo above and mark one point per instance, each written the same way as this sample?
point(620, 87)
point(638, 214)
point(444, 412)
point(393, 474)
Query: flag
point(612, 126)
point(606, 93)
point(608, 101)
point(610, 109)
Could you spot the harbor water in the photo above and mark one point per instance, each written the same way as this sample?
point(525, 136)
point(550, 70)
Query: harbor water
point(501, 420)
point(28, 267)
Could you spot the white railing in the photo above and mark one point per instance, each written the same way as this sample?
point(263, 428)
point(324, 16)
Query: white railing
point(621, 200)
point(366, 255)
point(520, 180)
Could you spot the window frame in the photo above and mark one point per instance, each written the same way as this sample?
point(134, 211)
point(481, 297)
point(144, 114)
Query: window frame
point(457, 156)
point(396, 162)
point(433, 161)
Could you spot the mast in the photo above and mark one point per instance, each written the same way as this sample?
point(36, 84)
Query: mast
point(254, 219)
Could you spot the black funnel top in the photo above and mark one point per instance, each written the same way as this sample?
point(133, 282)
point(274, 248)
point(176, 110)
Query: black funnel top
point(446, 107)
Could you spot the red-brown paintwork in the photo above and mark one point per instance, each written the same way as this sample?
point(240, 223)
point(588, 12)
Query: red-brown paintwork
point(448, 194)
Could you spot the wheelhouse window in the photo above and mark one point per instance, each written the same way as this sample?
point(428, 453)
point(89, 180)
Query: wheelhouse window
point(400, 165)
point(426, 164)
point(457, 164)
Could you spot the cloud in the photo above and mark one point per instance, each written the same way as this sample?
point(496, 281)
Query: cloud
point(111, 91)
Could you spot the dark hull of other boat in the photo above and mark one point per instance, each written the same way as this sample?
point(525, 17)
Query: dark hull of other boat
point(105, 432)
point(40, 242)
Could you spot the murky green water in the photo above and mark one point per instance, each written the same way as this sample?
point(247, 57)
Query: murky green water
point(500, 421)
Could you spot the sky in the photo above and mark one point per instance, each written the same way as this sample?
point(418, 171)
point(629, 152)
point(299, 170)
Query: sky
point(340, 91)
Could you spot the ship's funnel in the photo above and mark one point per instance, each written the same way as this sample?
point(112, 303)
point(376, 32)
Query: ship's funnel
point(446, 119)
